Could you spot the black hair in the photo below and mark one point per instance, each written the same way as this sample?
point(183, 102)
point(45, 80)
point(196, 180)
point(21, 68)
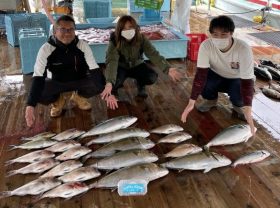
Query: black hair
point(222, 22)
point(65, 18)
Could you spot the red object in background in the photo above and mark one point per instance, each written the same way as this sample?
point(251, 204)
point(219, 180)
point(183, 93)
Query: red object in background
point(195, 39)
point(153, 35)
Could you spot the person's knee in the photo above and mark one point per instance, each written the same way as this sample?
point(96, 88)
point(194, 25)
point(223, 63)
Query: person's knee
point(152, 78)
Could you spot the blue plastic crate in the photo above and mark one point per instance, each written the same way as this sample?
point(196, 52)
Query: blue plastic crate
point(165, 6)
point(31, 30)
point(150, 15)
point(104, 22)
point(96, 9)
point(15, 22)
point(30, 43)
point(132, 8)
point(38, 20)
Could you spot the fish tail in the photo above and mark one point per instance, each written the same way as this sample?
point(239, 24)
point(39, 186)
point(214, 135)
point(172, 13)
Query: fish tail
point(5, 194)
point(13, 147)
point(206, 149)
point(11, 173)
point(94, 185)
point(7, 163)
point(89, 143)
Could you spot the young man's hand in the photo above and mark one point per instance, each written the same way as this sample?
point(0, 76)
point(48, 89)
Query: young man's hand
point(247, 110)
point(187, 110)
point(29, 116)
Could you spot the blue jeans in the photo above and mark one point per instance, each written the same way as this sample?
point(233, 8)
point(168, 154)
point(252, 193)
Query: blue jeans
point(216, 83)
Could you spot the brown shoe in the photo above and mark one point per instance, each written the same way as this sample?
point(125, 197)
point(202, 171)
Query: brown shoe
point(206, 105)
point(80, 101)
point(57, 106)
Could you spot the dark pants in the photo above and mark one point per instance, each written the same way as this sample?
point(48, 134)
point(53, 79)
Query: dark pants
point(143, 74)
point(215, 83)
point(90, 86)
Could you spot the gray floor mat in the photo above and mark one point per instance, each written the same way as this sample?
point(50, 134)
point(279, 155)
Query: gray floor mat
point(272, 38)
point(241, 22)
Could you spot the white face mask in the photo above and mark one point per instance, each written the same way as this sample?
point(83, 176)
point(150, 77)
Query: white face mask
point(128, 34)
point(221, 43)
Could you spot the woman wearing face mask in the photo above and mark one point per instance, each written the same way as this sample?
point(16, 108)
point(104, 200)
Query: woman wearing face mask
point(124, 58)
point(225, 64)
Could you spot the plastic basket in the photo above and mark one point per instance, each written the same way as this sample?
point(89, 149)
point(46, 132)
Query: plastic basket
point(195, 39)
point(30, 43)
point(97, 9)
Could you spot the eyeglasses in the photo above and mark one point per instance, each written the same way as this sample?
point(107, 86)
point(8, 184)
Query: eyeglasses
point(64, 30)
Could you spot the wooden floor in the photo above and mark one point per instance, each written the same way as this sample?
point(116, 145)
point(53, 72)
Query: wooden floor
point(255, 185)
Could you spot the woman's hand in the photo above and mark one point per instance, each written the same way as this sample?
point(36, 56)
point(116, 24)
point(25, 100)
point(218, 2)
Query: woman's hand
point(112, 102)
point(107, 91)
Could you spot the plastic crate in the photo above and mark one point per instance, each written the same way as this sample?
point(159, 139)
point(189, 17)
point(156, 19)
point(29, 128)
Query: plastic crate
point(132, 7)
point(195, 39)
point(15, 22)
point(97, 9)
point(150, 15)
point(30, 43)
point(103, 22)
point(31, 30)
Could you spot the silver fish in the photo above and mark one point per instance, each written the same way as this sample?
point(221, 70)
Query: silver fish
point(184, 149)
point(32, 157)
point(275, 87)
point(74, 153)
point(63, 146)
point(62, 168)
point(199, 161)
point(37, 167)
point(176, 137)
point(118, 135)
point(35, 187)
point(121, 145)
point(275, 73)
point(80, 174)
point(232, 135)
point(66, 191)
point(262, 72)
point(167, 129)
point(125, 159)
point(111, 125)
point(147, 172)
point(68, 134)
point(44, 135)
point(269, 92)
point(37, 144)
point(252, 157)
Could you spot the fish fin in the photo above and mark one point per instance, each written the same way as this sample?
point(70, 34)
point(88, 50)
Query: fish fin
point(212, 155)
point(13, 147)
point(11, 173)
point(5, 194)
point(113, 189)
point(94, 185)
point(206, 149)
point(207, 170)
point(180, 170)
point(108, 171)
point(233, 165)
point(7, 163)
